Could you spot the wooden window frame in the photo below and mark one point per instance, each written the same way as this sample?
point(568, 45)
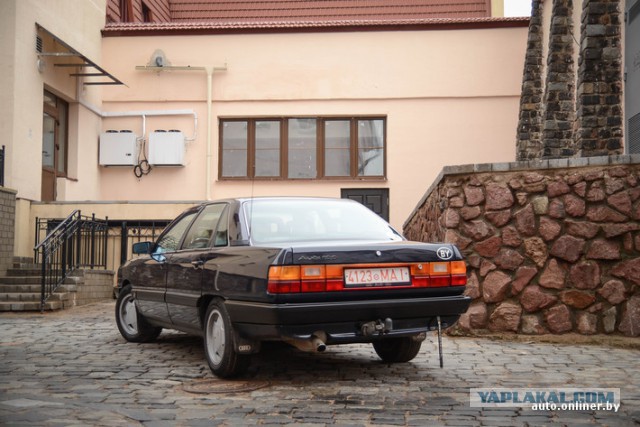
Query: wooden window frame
point(284, 148)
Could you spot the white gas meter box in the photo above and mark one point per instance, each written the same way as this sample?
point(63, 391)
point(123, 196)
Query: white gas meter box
point(166, 148)
point(118, 148)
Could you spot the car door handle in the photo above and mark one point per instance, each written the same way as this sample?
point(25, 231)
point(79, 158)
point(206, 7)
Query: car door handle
point(198, 263)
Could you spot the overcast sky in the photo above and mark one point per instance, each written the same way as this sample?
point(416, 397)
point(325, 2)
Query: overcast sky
point(517, 7)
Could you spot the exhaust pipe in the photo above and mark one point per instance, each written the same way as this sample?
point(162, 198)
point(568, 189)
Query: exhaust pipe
point(316, 343)
point(319, 345)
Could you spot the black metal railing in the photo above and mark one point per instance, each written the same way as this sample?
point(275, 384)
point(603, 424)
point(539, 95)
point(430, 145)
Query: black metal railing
point(75, 242)
point(124, 233)
point(2, 151)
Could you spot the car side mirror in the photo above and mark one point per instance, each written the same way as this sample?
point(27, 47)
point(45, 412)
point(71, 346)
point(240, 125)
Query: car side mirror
point(142, 248)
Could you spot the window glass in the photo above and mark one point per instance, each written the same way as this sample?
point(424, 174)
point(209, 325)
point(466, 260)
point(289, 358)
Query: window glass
point(55, 130)
point(302, 148)
point(170, 239)
point(297, 220)
point(267, 148)
point(370, 147)
point(48, 140)
point(49, 99)
point(200, 233)
point(337, 148)
point(222, 232)
point(234, 149)
point(62, 137)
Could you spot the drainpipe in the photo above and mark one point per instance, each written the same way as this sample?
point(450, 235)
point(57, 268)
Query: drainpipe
point(144, 114)
point(209, 71)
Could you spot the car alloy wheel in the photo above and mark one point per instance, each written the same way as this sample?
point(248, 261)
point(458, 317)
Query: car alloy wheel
point(219, 346)
point(131, 325)
point(129, 315)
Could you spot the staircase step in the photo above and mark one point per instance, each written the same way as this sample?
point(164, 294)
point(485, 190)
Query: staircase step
point(20, 262)
point(14, 280)
point(24, 296)
point(35, 271)
point(30, 306)
point(19, 288)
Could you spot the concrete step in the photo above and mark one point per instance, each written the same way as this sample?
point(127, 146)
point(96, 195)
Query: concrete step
point(20, 288)
point(12, 297)
point(17, 280)
point(23, 262)
point(19, 272)
point(34, 296)
point(31, 306)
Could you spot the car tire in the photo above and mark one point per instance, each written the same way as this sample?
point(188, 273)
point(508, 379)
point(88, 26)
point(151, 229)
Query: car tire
point(219, 343)
point(132, 326)
point(397, 350)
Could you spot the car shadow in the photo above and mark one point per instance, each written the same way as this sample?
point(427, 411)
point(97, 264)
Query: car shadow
point(282, 363)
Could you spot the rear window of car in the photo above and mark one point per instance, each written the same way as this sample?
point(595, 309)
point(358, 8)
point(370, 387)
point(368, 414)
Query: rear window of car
point(297, 220)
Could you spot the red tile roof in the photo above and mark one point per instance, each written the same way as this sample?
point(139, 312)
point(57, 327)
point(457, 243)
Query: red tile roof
point(215, 16)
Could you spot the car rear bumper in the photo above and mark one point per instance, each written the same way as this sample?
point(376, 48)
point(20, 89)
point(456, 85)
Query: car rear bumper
point(342, 321)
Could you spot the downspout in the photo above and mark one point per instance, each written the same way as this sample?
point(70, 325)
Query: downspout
point(209, 71)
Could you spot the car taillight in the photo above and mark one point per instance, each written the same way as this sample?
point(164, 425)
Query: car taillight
point(330, 278)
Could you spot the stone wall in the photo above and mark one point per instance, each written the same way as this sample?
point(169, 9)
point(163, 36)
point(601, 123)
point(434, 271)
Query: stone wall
point(7, 227)
point(552, 246)
point(569, 109)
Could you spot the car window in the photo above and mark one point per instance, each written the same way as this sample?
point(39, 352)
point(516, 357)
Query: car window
point(200, 233)
point(222, 232)
point(312, 219)
point(170, 239)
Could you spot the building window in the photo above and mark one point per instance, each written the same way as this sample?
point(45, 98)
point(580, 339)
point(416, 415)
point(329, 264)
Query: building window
point(147, 15)
point(303, 148)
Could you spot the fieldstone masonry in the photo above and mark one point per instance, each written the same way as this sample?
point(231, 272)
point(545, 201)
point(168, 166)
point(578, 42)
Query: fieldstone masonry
point(569, 109)
point(552, 246)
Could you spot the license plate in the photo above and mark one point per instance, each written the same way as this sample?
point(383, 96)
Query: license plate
point(376, 276)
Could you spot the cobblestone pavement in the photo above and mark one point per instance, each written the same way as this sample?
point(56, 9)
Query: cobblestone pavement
point(73, 368)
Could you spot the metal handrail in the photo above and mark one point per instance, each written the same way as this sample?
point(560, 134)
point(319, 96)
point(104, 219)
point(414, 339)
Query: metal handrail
point(77, 241)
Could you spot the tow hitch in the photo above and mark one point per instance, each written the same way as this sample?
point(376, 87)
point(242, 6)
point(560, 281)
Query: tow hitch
point(377, 327)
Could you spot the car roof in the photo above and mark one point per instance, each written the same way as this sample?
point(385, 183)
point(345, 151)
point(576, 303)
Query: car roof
point(275, 198)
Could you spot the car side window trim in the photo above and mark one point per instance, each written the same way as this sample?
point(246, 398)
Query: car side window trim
point(202, 230)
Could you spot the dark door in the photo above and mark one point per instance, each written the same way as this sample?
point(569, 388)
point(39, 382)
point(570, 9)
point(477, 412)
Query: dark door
point(376, 199)
point(186, 266)
point(150, 282)
point(54, 144)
